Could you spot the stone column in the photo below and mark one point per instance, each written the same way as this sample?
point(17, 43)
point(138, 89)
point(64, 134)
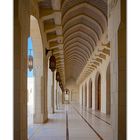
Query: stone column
point(49, 90)
point(21, 33)
point(55, 92)
point(57, 95)
point(52, 97)
point(122, 74)
point(84, 95)
point(93, 93)
point(70, 95)
point(39, 97)
point(39, 111)
point(103, 90)
point(63, 97)
point(88, 102)
point(118, 70)
point(45, 88)
point(80, 93)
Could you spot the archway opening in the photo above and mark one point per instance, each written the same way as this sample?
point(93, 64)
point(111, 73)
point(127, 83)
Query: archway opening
point(108, 95)
point(90, 93)
point(34, 111)
point(98, 92)
point(30, 85)
point(85, 95)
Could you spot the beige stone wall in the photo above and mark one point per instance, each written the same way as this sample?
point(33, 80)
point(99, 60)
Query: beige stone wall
point(102, 70)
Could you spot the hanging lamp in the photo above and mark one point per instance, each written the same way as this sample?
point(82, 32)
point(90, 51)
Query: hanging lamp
point(52, 63)
point(57, 76)
point(30, 62)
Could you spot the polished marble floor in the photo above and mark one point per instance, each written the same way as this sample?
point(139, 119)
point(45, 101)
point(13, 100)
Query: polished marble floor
point(73, 122)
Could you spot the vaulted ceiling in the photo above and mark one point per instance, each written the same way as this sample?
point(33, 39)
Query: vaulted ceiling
point(73, 29)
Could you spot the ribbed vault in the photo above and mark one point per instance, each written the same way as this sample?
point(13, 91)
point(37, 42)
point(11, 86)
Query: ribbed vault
point(83, 22)
point(73, 29)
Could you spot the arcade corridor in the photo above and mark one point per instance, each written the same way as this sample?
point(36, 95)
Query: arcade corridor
point(69, 69)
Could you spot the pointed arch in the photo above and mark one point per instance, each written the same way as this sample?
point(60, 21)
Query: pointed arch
point(98, 92)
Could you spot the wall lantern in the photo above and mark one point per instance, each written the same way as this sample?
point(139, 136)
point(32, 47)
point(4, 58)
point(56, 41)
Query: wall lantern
point(62, 88)
point(60, 83)
point(30, 62)
point(52, 64)
point(57, 76)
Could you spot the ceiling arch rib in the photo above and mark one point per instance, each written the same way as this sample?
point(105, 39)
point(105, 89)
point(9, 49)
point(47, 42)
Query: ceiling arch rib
point(75, 45)
point(86, 21)
point(90, 42)
point(84, 28)
point(82, 40)
point(80, 34)
point(86, 40)
point(87, 9)
point(77, 49)
point(59, 64)
point(77, 52)
point(78, 43)
point(69, 4)
point(87, 17)
point(78, 56)
point(78, 59)
point(74, 61)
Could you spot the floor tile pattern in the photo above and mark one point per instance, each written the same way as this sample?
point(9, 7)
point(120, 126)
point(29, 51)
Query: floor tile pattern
point(73, 122)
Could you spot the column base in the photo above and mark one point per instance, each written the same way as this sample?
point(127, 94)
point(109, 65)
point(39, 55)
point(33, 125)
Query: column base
point(40, 118)
point(51, 110)
point(20, 134)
